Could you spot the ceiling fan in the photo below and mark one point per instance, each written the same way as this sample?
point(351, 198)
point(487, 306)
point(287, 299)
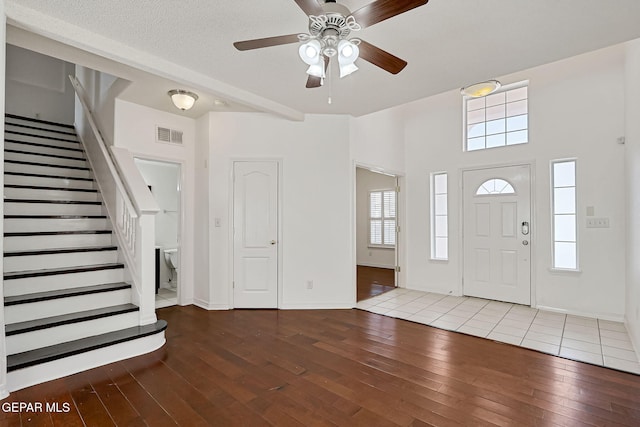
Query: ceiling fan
point(330, 25)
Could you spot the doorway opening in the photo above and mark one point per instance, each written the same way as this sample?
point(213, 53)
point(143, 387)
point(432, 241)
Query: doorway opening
point(164, 181)
point(376, 233)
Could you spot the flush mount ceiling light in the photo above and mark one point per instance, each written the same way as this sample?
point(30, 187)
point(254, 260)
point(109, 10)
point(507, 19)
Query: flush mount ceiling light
point(481, 89)
point(182, 99)
point(330, 25)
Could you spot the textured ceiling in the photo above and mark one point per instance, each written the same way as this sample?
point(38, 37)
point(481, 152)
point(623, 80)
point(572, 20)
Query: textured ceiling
point(447, 43)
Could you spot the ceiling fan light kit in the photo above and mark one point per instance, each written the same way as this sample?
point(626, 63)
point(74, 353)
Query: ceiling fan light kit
point(478, 90)
point(330, 25)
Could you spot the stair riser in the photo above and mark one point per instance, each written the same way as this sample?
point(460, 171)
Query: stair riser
point(25, 243)
point(17, 208)
point(28, 285)
point(75, 259)
point(48, 182)
point(80, 163)
point(47, 170)
point(59, 334)
point(37, 194)
point(43, 140)
point(10, 121)
point(38, 149)
point(12, 225)
point(58, 307)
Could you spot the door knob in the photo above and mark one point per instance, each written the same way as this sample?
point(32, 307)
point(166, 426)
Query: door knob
point(525, 242)
point(273, 242)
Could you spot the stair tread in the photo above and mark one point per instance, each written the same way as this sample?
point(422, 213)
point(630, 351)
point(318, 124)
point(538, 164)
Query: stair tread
point(61, 251)
point(20, 125)
point(55, 156)
point(43, 187)
point(40, 175)
point(61, 270)
point(64, 293)
point(66, 319)
point(48, 137)
point(40, 144)
point(62, 202)
point(12, 216)
point(31, 119)
point(54, 233)
point(20, 162)
point(59, 351)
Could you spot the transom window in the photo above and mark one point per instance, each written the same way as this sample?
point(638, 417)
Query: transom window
point(495, 186)
point(382, 218)
point(497, 120)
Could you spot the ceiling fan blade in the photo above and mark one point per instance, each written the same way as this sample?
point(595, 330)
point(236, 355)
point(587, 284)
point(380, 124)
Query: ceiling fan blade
point(310, 7)
point(381, 58)
point(380, 10)
point(266, 42)
point(313, 81)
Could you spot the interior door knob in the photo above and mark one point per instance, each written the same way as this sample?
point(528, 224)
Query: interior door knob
point(273, 242)
point(525, 242)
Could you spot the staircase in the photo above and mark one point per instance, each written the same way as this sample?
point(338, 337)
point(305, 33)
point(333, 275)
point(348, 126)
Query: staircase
point(67, 303)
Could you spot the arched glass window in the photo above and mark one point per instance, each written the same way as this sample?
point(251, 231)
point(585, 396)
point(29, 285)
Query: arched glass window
point(495, 186)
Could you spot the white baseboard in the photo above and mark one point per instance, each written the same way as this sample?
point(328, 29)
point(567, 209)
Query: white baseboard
point(603, 316)
point(207, 306)
point(317, 306)
point(33, 375)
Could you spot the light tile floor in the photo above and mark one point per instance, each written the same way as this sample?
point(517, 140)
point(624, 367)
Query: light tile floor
point(166, 297)
point(595, 341)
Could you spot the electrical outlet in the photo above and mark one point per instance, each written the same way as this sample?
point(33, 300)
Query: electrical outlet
point(597, 222)
point(309, 284)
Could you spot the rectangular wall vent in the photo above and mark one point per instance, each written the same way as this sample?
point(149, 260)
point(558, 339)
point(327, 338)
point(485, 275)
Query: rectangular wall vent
point(171, 136)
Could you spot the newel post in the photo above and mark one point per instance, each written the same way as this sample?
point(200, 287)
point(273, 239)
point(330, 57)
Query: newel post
point(146, 268)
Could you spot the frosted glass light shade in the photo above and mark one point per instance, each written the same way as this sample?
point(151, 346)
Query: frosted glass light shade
point(347, 54)
point(481, 89)
point(310, 52)
point(183, 99)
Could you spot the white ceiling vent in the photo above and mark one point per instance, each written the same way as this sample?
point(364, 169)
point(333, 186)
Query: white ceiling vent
point(171, 136)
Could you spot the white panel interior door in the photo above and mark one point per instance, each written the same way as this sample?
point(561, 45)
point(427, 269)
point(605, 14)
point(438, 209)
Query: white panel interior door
point(255, 234)
point(497, 234)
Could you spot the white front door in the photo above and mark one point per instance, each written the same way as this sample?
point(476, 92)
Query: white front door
point(255, 234)
point(497, 234)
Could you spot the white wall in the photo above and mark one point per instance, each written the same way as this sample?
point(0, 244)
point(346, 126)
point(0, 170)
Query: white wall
point(377, 140)
point(201, 215)
point(632, 156)
point(38, 86)
point(576, 110)
point(316, 197)
point(367, 181)
point(135, 129)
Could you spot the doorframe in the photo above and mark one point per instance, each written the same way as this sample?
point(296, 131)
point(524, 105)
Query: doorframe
point(182, 230)
point(533, 239)
point(232, 162)
point(400, 253)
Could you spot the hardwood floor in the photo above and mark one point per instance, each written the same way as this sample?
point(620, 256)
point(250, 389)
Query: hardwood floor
point(331, 367)
point(372, 281)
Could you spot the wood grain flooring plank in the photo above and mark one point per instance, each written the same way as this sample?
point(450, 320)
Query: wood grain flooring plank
point(335, 367)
